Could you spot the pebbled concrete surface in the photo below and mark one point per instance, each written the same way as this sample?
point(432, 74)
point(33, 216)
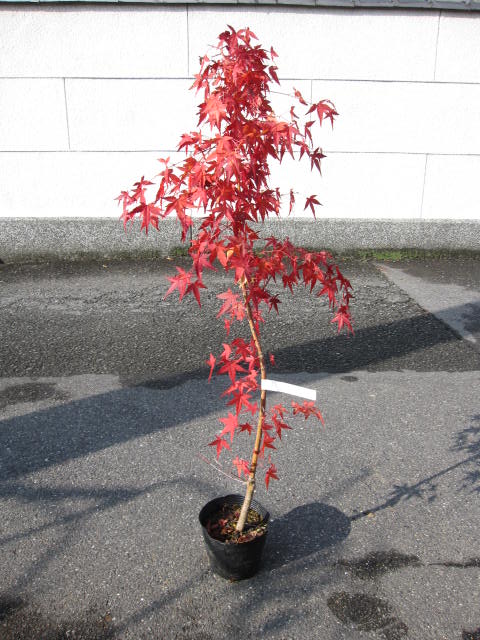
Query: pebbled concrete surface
point(23, 239)
point(105, 417)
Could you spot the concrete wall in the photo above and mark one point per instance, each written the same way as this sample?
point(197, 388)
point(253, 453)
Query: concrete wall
point(91, 96)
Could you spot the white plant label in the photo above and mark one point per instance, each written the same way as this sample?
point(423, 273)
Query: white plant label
point(291, 389)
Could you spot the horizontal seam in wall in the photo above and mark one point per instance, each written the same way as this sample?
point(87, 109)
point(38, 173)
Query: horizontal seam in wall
point(350, 80)
point(162, 151)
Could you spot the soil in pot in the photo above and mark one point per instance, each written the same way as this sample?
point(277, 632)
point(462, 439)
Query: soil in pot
point(221, 525)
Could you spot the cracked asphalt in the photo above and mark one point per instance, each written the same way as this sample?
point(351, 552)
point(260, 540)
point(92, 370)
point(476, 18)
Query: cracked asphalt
point(106, 415)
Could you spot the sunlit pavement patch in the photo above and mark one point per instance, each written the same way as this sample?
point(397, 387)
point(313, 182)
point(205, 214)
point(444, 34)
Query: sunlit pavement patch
point(455, 303)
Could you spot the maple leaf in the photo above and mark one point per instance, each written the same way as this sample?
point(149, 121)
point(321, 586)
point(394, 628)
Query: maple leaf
point(189, 139)
point(226, 353)
point(343, 281)
point(330, 290)
point(315, 157)
point(246, 426)
point(289, 280)
point(211, 363)
point(232, 367)
point(244, 349)
point(279, 409)
point(270, 474)
point(214, 110)
point(273, 74)
point(180, 282)
point(266, 427)
point(342, 317)
point(200, 262)
point(194, 287)
point(308, 409)
point(266, 443)
point(279, 425)
point(232, 304)
point(231, 424)
point(292, 201)
point(220, 443)
point(311, 201)
point(243, 468)
point(299, 96)
point(252, 408)
point(272, 360)
point(240, 399)
point(325, 109)
point(140, 189)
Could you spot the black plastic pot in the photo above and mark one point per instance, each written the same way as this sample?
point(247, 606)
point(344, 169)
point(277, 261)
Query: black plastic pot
point(234, 561)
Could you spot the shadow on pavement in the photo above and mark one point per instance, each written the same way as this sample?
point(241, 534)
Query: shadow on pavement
point(52, 436)
point(380, 346)
point(466, 440)
point(303, 531)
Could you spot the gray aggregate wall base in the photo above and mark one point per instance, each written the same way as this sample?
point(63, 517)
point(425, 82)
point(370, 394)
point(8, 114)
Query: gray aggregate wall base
point(24, 239)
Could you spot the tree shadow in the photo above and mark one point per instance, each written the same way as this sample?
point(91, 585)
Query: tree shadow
point(305, 530)
point(382, 345)
point(68, 523)
point(102, 499)
point(468, 441)
point(68, 431)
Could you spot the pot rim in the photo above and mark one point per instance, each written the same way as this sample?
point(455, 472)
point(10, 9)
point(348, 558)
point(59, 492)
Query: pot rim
point(230, 498)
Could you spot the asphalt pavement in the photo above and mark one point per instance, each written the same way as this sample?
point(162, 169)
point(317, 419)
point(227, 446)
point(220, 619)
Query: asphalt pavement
point(106, 415)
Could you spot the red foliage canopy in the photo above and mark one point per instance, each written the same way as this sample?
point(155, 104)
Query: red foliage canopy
point(225, 175)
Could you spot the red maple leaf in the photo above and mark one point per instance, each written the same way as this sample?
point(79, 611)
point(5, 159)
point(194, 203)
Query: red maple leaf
point(211, 363)
point(231, 424)
point(245, 426)
point(180, 282)
point(243, 468)
point(299, 96)
point(311, 201)
point(279, 425)
point(266, 443)
point(279, 409)
point(308, 409)
point(213, 109)
point(220, 443)
point(232, 367)
point(270, 474)
point(342, 318)
point(194, 287)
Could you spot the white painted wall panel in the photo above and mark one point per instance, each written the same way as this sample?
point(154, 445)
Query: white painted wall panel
point(356, 185)
point(402, 117)
point(115, 115)
point(32, 115)
point(352, 186)
point(326, 43)
point(458, 55)
point(452, 188)
point(93, 41)
point(69, 184)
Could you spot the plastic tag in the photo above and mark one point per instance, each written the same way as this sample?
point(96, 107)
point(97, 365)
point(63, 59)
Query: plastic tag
point(291, 389)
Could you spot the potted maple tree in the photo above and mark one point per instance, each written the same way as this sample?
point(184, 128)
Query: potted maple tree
point(225, 174)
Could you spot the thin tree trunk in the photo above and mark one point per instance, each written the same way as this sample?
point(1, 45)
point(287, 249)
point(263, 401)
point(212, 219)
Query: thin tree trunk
point(261, 416)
